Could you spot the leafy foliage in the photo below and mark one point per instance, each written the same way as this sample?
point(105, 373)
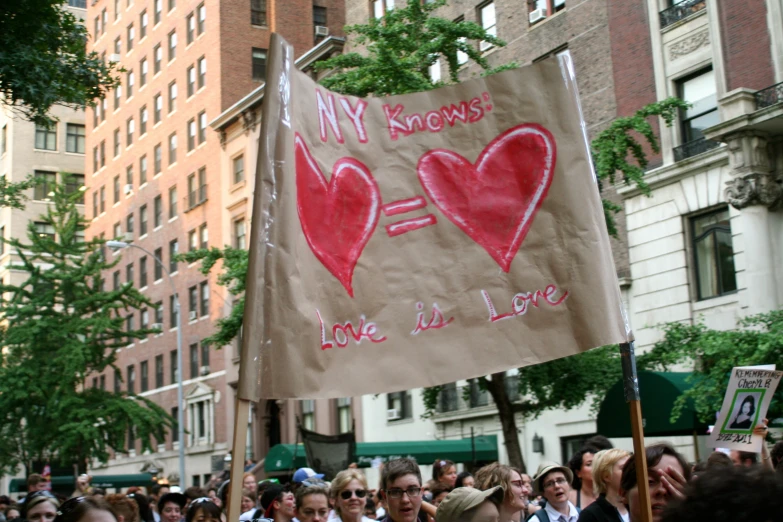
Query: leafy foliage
point(13, 195)
point(400, 48)
point(62, 325)
point(757, 340)
point(233, 278)
point(44, 60)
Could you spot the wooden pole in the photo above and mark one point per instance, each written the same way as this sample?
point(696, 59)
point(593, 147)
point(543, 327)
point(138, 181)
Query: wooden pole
point(631, 388)
point(238, 459)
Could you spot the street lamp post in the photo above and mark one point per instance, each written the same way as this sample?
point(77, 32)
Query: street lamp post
point(180, 408)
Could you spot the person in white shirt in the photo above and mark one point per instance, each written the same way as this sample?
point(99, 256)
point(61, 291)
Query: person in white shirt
point(349, 496)
point(554, 483)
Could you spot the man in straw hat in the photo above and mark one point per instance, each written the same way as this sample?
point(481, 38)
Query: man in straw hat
point(470, 505)
point(554, 483)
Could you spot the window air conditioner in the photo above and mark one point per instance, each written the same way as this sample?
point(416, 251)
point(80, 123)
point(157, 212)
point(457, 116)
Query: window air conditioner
point(156, 326)
point(128, 236)
point(192, 316)
point(128, 189)
point(537, 15)
point(204, 370)
point(393, 414)
point(321, 30)
point(114, 58)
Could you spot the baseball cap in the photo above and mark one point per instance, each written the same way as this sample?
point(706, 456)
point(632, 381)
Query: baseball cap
point(303, 474)
point(460, 500)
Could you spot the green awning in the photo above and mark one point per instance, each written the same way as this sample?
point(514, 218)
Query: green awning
point(658, 391)
point(19, 485)
point(281, 456)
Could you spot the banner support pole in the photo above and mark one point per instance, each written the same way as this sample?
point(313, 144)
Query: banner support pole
point(238, 459)
point(631, 389)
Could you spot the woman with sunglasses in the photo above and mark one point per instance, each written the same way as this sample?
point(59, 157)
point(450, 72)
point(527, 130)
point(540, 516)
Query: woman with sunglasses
point(349, 496)
point(85, 509)
point(40, 506)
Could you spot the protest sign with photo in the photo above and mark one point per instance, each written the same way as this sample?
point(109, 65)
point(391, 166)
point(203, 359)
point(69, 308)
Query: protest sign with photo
point(746, 402)
point(420, 239)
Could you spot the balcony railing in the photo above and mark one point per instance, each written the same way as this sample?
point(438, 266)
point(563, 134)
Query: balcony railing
point(692, 148)
point(462, 398)
point(681, 10)
point(196, 197)
point(769, 96)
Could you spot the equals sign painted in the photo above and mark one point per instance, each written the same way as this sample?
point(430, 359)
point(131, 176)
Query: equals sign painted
point(404, 206)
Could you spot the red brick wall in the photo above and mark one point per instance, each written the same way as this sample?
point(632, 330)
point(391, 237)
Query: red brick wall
point(746, 44)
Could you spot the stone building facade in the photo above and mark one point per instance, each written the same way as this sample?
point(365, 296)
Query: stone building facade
point(153, 174)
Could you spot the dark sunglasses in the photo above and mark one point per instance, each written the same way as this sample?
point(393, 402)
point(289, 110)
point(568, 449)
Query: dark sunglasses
point(360, 493)
point(68, 507)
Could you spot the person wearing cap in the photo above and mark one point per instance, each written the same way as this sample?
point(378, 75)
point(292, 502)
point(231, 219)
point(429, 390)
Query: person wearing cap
point(312, 504)
point(471, 505)
point(303, 474)
point(554, 483)
point(170, 506)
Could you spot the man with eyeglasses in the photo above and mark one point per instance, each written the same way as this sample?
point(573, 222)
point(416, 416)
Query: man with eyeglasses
point(401, 482)
point(554, 483)
point(312, 504)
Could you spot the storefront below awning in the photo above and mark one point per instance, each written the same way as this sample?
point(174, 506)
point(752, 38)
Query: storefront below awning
point(62, 483)
point(658, 392)
point(284, 458)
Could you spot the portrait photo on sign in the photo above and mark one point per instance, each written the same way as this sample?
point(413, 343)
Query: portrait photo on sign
point(744, 411)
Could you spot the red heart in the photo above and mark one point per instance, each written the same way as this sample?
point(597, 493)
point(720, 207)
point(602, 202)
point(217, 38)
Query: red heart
point(495, 200)
point(338, 217)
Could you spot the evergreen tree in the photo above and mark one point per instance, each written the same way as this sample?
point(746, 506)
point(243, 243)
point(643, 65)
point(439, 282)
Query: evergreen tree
point(61, 326)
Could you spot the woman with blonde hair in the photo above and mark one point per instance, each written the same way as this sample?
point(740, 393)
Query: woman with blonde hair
point(607, 472)
point(515, 499)
point(348, 494)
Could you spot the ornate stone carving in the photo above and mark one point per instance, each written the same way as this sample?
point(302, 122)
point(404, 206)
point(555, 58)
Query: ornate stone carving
point(689, 44)
point(754, 189)
point(222, 137)
point(248, 120)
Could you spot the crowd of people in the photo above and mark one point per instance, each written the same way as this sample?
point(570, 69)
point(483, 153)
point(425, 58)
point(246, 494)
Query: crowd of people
point(599, 484)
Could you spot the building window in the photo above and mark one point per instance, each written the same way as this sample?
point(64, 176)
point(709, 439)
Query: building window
point(204, 295)
point(174, 315)
point(157, 55)
point(118, 46)
point(344, 419)
point(143, 272)
point(131, 36)
point(4, 139)
point(172, 45)
point(74, 138)
point(488, 22)
point(173, 364)
point(193, 302)
point(399, 406)
point(117, 97)
point(46, 137)
point(130, 128)
point(172, 4)
point(173, 251)
point(205, 356)
point(157, 212)
point(200, 418)
point(117, 143)
point(203, 236)
point(190, 25)
point(158, 11)
point(143, 20)
point(158, 371)
point(698, 90)
point(144, 69)
point(157, 108)
point(44, 230)
point(143, 222)
point(75, 184)
point(191, 81)
point(103, 153)
point(547, 7)
point(239, 168)
point(192, 240)
point(173, 148)
point(103, 199)
point(115, 280)
point(308, 414)
point(202, 18)
point(144, 376)
point(130, 222)
point(259, 64)
point(191, 135)
point(129, 177)
point(172, 97)
point(258, 12)
point(143, 170)
point(129, 82)
point(116, 185)
point(118, 230)
point(159, 316)
point(381, 7)
point(131, 379)
point(143, 116)
point(45, 183)
point(95, 204)
point(158, 264)
point(129, 273)
point(239, 234)
point(158, 158)
point(103, 382)
point(202, 72)
point(202, 127)
point(319, 16)
point(117, 381)
point(194, 360)
point(172, 202)
point(713, 254)
point(145, 321)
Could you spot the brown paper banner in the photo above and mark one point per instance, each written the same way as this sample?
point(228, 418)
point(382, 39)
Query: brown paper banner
point(416, 240)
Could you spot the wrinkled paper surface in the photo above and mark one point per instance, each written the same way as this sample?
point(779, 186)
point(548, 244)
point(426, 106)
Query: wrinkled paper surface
point(417, 240)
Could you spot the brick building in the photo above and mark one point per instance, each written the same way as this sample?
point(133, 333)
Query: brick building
point(153, 175)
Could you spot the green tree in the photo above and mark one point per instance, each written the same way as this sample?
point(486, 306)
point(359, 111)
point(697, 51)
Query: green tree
point(62, 325)
point(44, 60)
point(399, 49)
